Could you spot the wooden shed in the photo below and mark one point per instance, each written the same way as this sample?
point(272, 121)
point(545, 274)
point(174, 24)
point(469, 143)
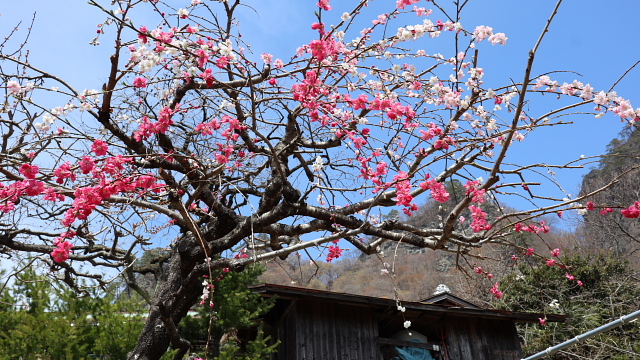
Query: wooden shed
point(319, 325)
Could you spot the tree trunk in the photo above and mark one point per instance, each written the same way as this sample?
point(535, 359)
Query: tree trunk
point(176, 294)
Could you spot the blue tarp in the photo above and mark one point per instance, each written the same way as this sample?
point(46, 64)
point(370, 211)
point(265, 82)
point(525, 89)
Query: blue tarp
point(411, 353)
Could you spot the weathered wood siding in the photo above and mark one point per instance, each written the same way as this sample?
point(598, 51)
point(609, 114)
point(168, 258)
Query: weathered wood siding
point(481, 339)
point(327, 330)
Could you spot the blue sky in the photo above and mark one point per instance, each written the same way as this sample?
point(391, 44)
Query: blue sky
point(595, 39)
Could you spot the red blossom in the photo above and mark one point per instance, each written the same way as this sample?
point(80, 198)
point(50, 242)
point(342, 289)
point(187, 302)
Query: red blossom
point(222, 62)
point(495, 290)
point(61, 252)
point(64, 172)
point(334, 253)
point(632, 212)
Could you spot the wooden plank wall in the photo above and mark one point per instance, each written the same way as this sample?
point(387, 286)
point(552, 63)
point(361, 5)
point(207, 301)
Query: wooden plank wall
point(327, 330)
point(481, 339)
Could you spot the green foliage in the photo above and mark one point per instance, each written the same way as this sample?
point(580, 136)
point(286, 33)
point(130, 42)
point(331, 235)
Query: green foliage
point(51, 323)
point(235, 308)
point(258, 349)
point(609, 292)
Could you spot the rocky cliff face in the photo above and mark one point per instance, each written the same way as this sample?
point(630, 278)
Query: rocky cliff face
point(612, 231)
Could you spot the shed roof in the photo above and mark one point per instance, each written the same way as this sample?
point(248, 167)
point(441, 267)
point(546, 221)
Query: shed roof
point(448, 299)
point(437, 305)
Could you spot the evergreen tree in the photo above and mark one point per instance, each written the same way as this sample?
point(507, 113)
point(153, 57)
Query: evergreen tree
point(231, 308)
point(40, 321)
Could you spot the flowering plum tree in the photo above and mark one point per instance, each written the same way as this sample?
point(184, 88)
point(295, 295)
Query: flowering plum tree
point(244, 158)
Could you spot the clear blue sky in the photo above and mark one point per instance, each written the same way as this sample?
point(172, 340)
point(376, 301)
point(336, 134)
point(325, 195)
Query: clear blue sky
point(595, 39)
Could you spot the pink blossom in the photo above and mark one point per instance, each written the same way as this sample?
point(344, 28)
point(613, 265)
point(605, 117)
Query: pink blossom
point(99, 147)
point(532, 228)
point(551, 262)
point(146, 129)
point(14, 87)
point(543, 322)
point(529, 252)
point(324, 5)
point(242, 254)
point(401, 4)
point(33, 187)
point(146, 182)
point(569, 276)
point(421, 11)
point(222, 62)
point(164, 37)
point(482, 32)
point(143, 34)
point(624, 109)
point(29, 171)
point(51, 195)
point(403, 191)
point(203, 57)
point(438, 190)
point(444, 143)
point(267, 58)
point(601, 98)
point(479, 219)
point(86, 164)
point(606, 211)
point(498, 38)
point(319, 49)
point(555, 252)
point(360, 103)
point(140, 82)
point(476, 194)
point(208, 77)
point(434, 130)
